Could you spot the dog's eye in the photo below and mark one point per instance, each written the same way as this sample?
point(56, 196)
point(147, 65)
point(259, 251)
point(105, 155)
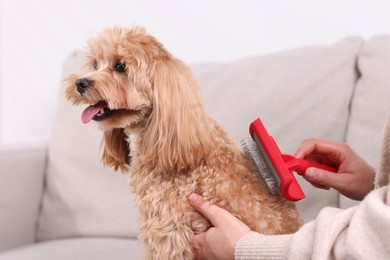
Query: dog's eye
point(94, 65)
point(120, 67)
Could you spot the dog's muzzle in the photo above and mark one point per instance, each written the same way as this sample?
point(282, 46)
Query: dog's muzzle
point(82, 85)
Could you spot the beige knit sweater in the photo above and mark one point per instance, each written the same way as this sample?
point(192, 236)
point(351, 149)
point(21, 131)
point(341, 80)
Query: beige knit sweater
point(360, 232)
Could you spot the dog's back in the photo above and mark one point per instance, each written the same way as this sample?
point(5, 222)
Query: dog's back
point(227, 178)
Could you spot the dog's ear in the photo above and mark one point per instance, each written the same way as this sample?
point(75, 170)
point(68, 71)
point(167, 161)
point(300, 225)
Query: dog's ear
point(115, 149)
point(177, 136)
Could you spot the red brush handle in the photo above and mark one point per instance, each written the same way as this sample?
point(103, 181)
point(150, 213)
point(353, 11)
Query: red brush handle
point(300, 165)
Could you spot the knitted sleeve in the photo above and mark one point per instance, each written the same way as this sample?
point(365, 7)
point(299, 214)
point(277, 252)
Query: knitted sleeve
point(257, 246)
point(382, 176)
point(360, 232)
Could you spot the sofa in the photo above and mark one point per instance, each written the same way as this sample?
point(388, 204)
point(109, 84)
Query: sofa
point(58, 202)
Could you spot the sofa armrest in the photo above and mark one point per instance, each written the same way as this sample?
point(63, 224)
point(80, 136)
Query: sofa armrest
point(21, 184)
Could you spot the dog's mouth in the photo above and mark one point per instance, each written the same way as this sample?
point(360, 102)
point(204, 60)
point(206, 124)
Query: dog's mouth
point(97, 112)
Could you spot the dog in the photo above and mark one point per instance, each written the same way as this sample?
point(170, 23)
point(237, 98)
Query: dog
point(155, 126)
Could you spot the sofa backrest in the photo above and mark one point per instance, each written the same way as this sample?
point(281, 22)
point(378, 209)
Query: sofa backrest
point(370, 103)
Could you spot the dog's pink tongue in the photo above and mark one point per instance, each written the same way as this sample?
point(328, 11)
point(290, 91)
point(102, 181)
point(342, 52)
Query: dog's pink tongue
point(90, 112)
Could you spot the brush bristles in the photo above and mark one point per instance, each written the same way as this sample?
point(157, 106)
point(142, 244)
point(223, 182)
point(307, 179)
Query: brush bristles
point(260, 159)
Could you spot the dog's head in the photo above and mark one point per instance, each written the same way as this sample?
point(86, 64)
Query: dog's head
point(116, 86)
point(131, 81)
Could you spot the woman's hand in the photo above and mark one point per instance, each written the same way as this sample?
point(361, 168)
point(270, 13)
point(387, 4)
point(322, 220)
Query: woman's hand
point(354, 177)
point(219, 241)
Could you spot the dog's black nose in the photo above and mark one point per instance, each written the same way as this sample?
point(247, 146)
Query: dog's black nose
point(82, 85)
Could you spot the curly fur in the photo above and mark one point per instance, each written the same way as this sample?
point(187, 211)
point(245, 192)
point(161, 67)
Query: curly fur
point(158, 130)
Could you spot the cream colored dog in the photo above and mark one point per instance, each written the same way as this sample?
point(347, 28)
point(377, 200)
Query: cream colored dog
point(148, 104)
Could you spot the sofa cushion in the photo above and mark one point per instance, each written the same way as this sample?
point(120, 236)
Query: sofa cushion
point(78, 249)
point(82, 198)
point(293, 92)
point(371, 101)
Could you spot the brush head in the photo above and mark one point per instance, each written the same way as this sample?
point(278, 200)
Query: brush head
point(259, 158)
point(268, 149)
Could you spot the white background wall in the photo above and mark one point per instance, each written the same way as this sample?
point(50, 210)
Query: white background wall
point(36, 36)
